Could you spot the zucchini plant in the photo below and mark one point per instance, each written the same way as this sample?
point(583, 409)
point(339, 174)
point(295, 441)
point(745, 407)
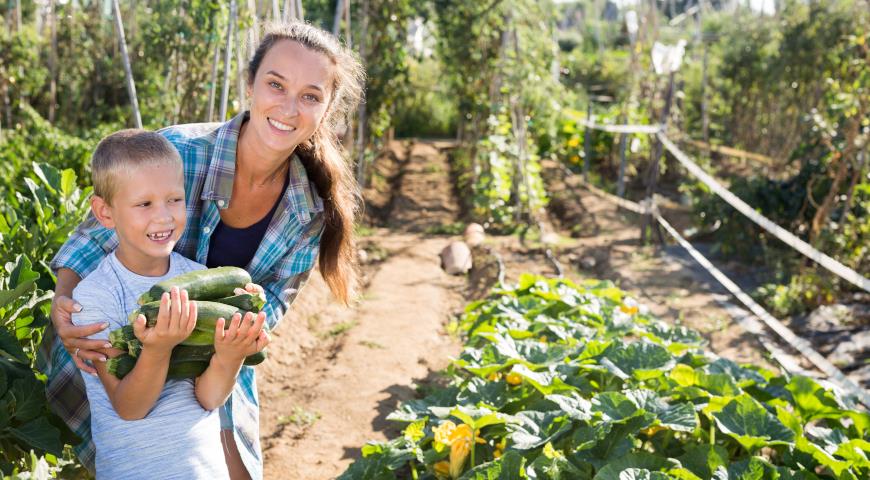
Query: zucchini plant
point(564, 380)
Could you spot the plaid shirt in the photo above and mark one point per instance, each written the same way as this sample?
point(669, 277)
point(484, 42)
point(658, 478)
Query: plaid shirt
point(281, 266)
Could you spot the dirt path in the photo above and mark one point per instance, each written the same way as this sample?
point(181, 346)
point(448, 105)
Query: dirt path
point(334, 377)
point(335, 373)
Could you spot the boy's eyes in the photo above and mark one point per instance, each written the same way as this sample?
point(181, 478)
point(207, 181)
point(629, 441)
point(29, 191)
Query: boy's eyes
point(172, 200)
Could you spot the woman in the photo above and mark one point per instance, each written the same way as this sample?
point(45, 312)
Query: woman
point(266, 191)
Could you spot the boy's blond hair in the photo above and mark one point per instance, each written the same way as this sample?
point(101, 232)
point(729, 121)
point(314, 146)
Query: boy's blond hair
point(124, 150)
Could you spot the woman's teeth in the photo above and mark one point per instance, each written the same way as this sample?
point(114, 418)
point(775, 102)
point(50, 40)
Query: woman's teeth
point(160, 235)
point(280, 126)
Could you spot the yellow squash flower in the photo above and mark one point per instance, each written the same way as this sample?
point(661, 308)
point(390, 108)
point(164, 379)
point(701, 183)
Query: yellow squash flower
point(444, 432)
point(514, 378)
point(442, 469)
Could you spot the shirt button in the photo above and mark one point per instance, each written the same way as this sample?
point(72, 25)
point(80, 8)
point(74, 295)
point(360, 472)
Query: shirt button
point(206, 230)
point(220, 203)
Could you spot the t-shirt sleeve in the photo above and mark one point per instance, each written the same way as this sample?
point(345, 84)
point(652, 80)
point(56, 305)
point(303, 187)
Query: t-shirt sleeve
point(98, 306)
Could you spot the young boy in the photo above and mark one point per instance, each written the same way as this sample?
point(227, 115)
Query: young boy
point(146, 426)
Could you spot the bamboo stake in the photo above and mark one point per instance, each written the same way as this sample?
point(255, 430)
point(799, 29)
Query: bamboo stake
point(214, 72)
point(228, 55)
point(52, 61)
point(276, 12)
point(336, 19)
point(254, 31)
point(240, 71)
point(361, 130)
point(128, 71)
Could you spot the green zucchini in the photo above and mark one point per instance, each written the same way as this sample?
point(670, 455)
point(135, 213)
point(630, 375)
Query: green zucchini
point(207, 314)
point(123, 364)
point(209, 284)
point(186, 362)
point(120, 337)
point(246, 301)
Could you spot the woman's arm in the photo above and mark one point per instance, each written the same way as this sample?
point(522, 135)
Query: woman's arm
point(78, 256)
point(74, 338)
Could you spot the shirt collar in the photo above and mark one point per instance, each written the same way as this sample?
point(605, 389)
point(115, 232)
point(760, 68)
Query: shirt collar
point(300, 197)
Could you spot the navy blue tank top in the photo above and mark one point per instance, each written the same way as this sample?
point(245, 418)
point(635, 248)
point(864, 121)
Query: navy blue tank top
point(235, 247)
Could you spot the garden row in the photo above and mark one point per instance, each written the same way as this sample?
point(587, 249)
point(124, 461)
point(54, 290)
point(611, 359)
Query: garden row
point(567, 380)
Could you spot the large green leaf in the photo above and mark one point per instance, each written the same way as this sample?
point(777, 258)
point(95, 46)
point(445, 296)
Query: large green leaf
point(812, 401)
point(511, 466)
point(534, 429)
point(545, 382)
point(679, 416)
point(642, 360)
point(745, 420)
point(28, 394)
point(575, 406)
point(635, 460)
point(704, 460)
point(641, 474)
point(10, 348)
point(22, 279)
point(40, 434)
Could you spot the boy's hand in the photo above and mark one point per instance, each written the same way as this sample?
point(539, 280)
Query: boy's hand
point(244, 337)
point(175, 320)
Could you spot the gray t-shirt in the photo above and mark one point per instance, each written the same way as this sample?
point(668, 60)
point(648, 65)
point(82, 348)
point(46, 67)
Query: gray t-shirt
point(178, 438)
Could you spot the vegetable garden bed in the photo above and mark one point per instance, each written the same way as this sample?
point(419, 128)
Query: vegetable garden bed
point(561, 380)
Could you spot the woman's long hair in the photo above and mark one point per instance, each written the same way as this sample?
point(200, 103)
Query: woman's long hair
point(323, 156)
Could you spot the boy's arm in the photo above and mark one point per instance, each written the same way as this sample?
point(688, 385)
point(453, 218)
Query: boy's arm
point(135, 395)
point(245, 336)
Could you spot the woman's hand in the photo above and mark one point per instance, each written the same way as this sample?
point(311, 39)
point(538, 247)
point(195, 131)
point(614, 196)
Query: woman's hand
point(176, 319)
point(245, 336)
point(74, 338)
point(253, 289)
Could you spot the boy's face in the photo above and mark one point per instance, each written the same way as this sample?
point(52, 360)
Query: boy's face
point(147, 213)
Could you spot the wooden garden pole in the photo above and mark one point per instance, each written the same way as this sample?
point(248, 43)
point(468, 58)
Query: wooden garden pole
point(648, 222)
point(276, 11)
point(336, 19)
point(361, 126)
point(240, 69)
point(128, 71)
point(620, 181)
point(214, 72)
point(587, 140)
point(52, 61)
point(228, 55)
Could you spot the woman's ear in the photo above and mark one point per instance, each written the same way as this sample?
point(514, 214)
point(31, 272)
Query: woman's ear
point(102, 211)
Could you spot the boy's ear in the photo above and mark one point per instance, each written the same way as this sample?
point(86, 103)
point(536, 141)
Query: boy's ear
point(102, 211)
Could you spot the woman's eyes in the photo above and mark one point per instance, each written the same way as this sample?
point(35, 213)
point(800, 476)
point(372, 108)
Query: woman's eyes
point(308, 97)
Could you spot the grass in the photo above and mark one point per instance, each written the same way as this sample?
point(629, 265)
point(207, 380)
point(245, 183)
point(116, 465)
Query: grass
point(372, 345)
point(455, 228)
point(299, 417)
point(339, 329)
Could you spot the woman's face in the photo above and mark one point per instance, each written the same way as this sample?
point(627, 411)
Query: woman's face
point(289, 96)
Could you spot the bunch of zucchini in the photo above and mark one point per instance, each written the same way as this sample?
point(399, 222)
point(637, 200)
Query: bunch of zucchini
point(213, 289)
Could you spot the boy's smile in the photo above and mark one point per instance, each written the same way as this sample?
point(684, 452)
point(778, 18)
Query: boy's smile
point(148, 214)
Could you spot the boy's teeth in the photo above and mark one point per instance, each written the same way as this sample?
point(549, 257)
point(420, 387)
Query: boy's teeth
point(280, 126)
point(159, 235)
